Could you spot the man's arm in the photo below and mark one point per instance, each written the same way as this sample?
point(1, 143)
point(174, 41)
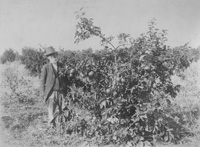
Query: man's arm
point(43, 78)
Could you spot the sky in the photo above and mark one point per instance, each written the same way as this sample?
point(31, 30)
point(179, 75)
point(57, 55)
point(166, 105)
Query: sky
point(31, 23)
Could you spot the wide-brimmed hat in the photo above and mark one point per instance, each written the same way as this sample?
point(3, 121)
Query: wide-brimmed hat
point(50, 51)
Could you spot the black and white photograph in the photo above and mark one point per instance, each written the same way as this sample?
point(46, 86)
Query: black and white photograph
point(99, 73)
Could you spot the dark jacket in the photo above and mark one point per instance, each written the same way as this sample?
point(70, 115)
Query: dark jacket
point(48, 77)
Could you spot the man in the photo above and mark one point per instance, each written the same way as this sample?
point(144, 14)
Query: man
point(51, 85)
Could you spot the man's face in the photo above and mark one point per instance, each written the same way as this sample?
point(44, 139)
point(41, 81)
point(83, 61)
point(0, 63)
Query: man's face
point(53, 58)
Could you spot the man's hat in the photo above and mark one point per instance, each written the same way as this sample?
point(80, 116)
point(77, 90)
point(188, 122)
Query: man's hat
point(50, 51)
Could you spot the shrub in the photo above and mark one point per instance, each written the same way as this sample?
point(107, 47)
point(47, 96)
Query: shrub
point(33, 60)
point(8, 56)
point(126, 88)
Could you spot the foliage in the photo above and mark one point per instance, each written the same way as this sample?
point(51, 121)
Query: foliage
point(79, 125)
point(21, 96)
point(188, 97)
point(33, 60)
point(126, 89)
point(8, 56)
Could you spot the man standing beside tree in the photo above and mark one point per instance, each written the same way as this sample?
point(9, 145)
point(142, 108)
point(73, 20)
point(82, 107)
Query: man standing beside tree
point(51, 85)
